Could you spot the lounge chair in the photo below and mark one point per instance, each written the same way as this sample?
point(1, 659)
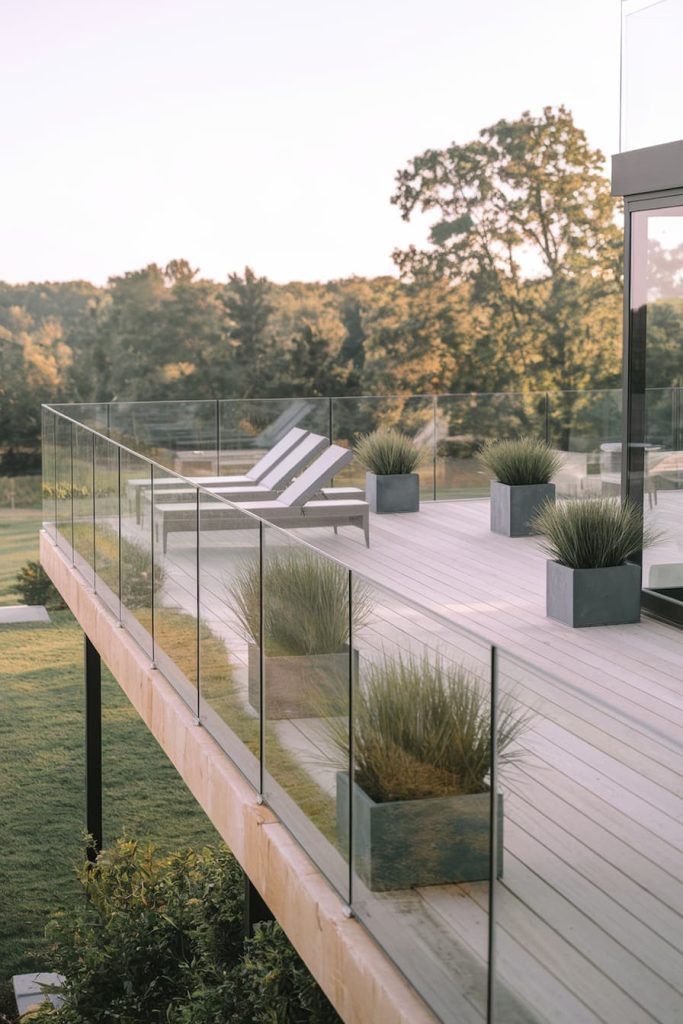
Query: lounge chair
point(254, 475)
point(269, 487)
point(294, 508)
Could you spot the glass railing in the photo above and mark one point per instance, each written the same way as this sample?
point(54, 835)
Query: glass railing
point(483, 818)
point(209, 438)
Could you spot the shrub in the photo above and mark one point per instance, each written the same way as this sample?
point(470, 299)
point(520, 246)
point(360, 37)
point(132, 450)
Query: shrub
point(305, 603)
point(422, 729)
point(592, 533)
point(521, 461)
point(34, 586)
point(159, 939)
point(388, 452)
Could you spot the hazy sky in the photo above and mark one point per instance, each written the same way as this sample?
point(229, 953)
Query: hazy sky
point(265, 133)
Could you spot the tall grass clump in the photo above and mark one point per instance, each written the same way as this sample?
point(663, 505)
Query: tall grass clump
point(422, 728)
point(305, 604)
point(388, 453)
point(520, 461)
point(592, 533)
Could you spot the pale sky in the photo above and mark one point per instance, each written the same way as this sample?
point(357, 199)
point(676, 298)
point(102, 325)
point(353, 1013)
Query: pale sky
point(265, 133)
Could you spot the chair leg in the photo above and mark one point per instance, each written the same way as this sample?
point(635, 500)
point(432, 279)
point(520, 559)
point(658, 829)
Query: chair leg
point(366, 528)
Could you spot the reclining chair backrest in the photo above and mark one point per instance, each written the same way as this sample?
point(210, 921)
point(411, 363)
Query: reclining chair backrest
point(268, 461)
point(317, 475)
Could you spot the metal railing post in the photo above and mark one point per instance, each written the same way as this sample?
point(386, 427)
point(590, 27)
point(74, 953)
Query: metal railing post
point(352, 753)
point(262, 672)
point(151, 524)
point(434, 421)
point(71, 490)
point(94, 521)
point(198, 649)
point(120, 542)
point(493, 843)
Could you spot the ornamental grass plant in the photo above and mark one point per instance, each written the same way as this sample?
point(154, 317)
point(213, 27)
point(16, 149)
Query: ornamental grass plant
point(422, 728)
point(520, 461)
point(388, 452)
point(592, 533)
point(305, 603)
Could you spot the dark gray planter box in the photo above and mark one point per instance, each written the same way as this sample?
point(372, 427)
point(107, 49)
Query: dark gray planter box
point(399, 492)
point(301, 686)
point(513, 506)
point(593, 597)
point(436, 841)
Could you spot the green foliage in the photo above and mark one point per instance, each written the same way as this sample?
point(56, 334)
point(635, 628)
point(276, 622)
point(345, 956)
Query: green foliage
point(305, 603)
point(520, 461)
point(388, 452)
point(34, 586)
point(592, 533)
point(161, 939)
point(422, 728)
point(275, 985)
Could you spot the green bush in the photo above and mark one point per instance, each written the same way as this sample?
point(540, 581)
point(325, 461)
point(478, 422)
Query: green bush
point(422, 728)
point(305, 603)
point(592, 533)
point(388, 452)
point(34, 586)
point(521, 461)
point(160, 939)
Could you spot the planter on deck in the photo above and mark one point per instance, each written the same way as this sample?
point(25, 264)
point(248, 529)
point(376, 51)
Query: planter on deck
point(435, 841)
point(514, 505)
point(593, 597)
point(399, 492)
point(300, 686)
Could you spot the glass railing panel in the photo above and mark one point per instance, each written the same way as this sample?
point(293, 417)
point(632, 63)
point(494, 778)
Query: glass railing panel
point(308, 655)
point(83, 469)
point(229, 636)
point(63, 484)
point(586, 427)
point(465, 422)
point(662, 464)
point(421, 804)
point(178, 434)
point(137, 549)
point(173, 512)
point(49, 465)
point(251, 427)
point(412, 415)
point(89, 414)
point(107, 523)
point(588, 907)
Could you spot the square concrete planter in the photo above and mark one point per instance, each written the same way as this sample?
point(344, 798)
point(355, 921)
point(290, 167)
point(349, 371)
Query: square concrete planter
point(300, 686)
point(513, 506)
point(436, 841)
point(398, 492)
point(593, 597)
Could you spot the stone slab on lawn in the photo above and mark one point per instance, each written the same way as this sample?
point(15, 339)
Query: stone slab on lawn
point(29, 990)
point(12, 613)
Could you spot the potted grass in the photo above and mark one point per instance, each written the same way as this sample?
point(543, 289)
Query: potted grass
point(390, 459)
point(523, 469)
point(589, 581)
point(305, 630)
point(422, 754)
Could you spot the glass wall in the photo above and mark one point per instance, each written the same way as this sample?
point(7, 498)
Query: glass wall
point(655, 458)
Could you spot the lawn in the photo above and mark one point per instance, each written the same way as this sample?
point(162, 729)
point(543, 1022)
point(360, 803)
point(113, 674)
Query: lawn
point(18, 543)
point(41, 767)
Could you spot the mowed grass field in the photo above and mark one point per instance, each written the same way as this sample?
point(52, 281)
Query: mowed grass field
point(42, 768)
point(18, 544)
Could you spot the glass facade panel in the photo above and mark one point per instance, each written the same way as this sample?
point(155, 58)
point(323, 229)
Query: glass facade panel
point(656, 444)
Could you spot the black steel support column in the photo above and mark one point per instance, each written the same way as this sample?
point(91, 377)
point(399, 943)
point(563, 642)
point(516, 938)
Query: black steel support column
point(93, 745)
point(255, 908)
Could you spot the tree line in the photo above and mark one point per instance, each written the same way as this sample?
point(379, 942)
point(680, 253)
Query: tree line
point(518, 287)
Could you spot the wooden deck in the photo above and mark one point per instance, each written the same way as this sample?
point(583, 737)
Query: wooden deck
point(590, 908)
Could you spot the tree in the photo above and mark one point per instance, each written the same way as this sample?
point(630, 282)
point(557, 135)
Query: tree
point(525, 220)
point(248, 305)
